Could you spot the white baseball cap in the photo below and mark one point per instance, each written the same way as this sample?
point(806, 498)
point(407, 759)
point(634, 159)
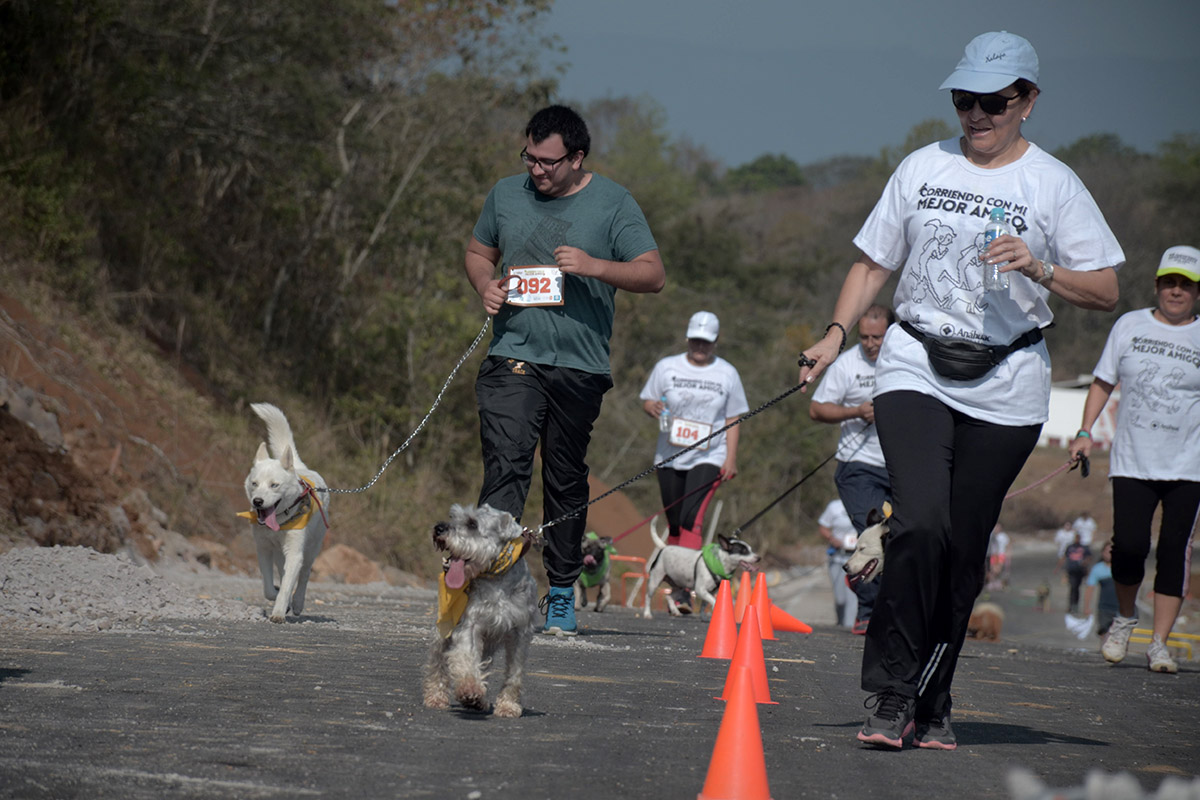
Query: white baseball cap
point(704, 325)
point(992, 61)
point(1180, 260)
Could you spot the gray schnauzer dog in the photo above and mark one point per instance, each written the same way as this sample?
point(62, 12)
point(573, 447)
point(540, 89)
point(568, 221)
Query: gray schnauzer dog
point(486, 599)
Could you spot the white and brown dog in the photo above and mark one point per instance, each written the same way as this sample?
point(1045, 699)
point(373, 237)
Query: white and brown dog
point(486, 600)
point(700, 571)
point(867, 562)
point(292, 515)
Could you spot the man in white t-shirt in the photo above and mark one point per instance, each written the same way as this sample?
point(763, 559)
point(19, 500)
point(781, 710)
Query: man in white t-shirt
point(836, 528)
point(1085, 526)
point(844, 397)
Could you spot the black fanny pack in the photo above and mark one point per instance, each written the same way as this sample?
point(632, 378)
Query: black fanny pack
point(967, 361)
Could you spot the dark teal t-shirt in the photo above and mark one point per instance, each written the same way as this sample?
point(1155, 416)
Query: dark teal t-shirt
point(603, 220)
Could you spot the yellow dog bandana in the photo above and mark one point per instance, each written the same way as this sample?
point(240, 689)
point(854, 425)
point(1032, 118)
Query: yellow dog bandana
point(296, 523)
point(453, 602)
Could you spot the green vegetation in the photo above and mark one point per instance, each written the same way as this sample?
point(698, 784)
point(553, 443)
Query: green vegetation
point(281, 197)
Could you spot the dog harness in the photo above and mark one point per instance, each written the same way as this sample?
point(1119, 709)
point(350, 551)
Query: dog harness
point(713, 561)
point(596, 576)
point(300, 521)
point(453, 602)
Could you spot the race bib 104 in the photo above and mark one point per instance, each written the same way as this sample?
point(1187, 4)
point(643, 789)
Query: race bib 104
point(535, 286)
point(685, 433)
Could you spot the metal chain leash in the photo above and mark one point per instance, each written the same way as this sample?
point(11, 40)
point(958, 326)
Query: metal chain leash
point(437, 400)
point(665, 461)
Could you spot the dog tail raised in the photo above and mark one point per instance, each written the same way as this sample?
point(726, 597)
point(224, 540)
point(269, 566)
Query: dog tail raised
point(659, 542)
point(279, 433)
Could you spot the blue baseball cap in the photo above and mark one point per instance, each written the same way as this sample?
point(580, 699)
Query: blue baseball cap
point(992, 61)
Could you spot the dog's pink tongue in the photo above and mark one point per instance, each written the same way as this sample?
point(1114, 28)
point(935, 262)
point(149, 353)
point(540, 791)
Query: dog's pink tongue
point(456, 574)
point(271, 522)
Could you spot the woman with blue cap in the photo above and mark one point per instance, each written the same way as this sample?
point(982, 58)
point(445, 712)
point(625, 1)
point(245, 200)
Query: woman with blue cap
point(963, 382)
point(1153, 354)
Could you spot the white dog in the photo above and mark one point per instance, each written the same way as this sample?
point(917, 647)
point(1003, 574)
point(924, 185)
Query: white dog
point(867, 562)
point(696, 570)
point(291, 511)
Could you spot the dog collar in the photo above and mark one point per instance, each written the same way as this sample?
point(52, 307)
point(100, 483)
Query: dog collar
point(713, 561)
point(453, 602)
point(300, 521)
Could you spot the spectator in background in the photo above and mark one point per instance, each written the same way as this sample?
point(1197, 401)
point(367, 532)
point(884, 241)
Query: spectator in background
point(1085, 526)
point(1063, 538)
point(998, 557)
point(844, 398)
point(838, 531)
point(1075, 562)
point(1100, 579)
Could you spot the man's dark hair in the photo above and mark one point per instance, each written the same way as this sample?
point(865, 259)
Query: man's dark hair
point(877, 311)
point(563, 121)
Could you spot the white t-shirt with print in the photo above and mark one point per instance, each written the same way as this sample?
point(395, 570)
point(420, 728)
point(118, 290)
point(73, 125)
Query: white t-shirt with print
point(707, 395)
point(930, 220)
point(838, 521)
point(850, 381)
point(1158, 420)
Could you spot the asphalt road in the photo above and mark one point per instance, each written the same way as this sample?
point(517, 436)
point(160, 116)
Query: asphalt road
point(331, 708)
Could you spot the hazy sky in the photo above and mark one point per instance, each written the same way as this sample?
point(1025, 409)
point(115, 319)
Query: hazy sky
point(818, 79)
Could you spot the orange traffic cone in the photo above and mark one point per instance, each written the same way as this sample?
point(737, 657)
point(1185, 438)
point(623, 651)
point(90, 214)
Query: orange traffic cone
point(762, 604)
point(722, 630)
point(748, 653)
point(783, 621)
point(738, 769)
point(743, 598)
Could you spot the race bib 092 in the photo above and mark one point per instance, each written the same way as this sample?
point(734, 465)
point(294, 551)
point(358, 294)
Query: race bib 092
point(535, 286)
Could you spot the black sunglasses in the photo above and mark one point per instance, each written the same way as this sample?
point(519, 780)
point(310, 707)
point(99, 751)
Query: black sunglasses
point(994, 104)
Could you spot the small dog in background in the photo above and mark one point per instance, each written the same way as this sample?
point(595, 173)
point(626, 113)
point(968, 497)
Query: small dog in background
point(486, 600)
point(867, 562)
point(685, 568)
point(292, 516)
point(986, 622)
point(596, 567)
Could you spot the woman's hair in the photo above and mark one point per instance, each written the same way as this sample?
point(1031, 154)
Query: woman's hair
point(1024, 87)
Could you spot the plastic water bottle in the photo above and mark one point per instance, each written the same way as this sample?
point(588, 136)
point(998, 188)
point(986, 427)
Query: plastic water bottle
point(664, 418)
point(993, 279)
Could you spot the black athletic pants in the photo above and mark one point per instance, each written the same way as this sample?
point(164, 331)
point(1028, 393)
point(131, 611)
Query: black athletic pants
point(1134, 502)
point(519, 404)
point(686, 518)
point(949, 473)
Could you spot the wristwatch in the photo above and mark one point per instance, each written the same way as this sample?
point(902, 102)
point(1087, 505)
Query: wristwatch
point(1047, 273)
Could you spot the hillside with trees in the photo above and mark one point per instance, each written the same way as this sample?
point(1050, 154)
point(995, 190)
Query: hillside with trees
point(278, 199)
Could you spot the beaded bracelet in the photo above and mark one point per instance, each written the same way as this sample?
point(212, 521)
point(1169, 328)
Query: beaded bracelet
point(840, 327)
point(1083, 433)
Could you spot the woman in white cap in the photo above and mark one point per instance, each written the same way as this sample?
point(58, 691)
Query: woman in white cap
point(702, 393)
point(1154, 355)
point(963, 382)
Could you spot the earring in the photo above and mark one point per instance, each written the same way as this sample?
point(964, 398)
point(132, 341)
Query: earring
point(1024, 118)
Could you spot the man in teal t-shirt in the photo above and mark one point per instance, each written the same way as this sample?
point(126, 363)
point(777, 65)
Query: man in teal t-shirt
point(564, 239)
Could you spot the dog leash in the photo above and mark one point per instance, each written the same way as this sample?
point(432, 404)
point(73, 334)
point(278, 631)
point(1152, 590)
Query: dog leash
point(672, 504)
point(571, 514)
point(437, 401)
point(1085, 469)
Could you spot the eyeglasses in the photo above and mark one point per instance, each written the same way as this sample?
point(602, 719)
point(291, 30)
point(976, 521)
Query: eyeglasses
point(545, 164)
point(994, 104)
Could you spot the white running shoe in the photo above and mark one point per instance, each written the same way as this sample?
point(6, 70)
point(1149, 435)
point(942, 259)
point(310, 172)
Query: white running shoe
point(1117, 641)
point(1158, 657)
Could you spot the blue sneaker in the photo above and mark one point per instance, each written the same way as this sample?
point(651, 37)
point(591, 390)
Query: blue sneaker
point(559, 608)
